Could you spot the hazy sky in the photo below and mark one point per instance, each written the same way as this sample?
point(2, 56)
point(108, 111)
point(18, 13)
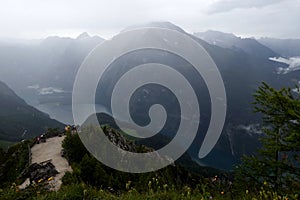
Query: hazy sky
point(40, 18)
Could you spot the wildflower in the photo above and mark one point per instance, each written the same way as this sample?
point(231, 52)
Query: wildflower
point(247, 191)
point(187, 190)
point(222, 192)
point(149, 184)
point(50, 179)
point(265, 183)
point(128, 185)
point(13, 186)
point(40, 180)
point(165, 186)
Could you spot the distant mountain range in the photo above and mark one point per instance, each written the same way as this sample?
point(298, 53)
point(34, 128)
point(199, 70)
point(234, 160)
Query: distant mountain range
point(20, 121)
point(49, 65)
point(43, 74)
point(285, 47)
point(230, 41)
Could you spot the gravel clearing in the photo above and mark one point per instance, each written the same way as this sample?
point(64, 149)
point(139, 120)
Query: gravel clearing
point(50, 150)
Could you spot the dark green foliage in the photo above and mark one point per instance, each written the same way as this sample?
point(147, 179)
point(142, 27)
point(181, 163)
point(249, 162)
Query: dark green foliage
point(90, 171)
point(273, 174)
point(53, 132)
point(5, 144)
point(13, 162)
point(74, 149)
point(277, 164)
point(92, 180)
point(69, 178)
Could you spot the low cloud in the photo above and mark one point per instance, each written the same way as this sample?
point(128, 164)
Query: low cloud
point(35, 87)
point(251, 129)
point(296, 90)
point(293, 64)
point(50, 90)
point(47, 90)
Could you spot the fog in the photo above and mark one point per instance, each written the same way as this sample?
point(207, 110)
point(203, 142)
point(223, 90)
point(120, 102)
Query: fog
point(34, 19)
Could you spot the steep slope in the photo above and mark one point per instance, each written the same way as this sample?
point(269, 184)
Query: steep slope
point(242, 70)
point(18, 120)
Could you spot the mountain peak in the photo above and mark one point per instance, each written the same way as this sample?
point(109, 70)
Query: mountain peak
point(216, 34)
point(83, 35)
point(156, 24)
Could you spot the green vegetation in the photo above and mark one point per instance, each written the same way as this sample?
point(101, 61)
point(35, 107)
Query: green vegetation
point(13, 162)
point(90, 171)
point(83, 191)
point(5, 144)
point(271, 174)
point(277, 165)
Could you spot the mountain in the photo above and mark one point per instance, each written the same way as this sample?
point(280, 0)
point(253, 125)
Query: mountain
point(284, 47)
point(18, 120)
point(243, 67)
point(53, 62)
point(43, 72)
point(43, 75)
point(229, 40)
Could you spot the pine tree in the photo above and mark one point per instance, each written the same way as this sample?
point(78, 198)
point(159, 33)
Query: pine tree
point(277, 164)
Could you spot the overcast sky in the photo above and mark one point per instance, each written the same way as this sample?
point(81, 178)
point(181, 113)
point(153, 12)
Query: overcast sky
point(32, 19)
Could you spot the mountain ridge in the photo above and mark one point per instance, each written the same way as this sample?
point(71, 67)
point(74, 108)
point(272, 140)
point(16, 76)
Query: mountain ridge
point(231, 41)
point(20, 121)
point(54, 69)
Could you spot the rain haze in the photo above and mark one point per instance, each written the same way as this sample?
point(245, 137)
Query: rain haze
point(33, 19)
point(149, 99)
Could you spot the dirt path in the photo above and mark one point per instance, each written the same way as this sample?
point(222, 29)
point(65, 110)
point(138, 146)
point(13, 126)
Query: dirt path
point(51, 150)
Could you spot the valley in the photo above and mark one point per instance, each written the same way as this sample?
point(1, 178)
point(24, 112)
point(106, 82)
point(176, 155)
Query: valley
point(54, 62)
